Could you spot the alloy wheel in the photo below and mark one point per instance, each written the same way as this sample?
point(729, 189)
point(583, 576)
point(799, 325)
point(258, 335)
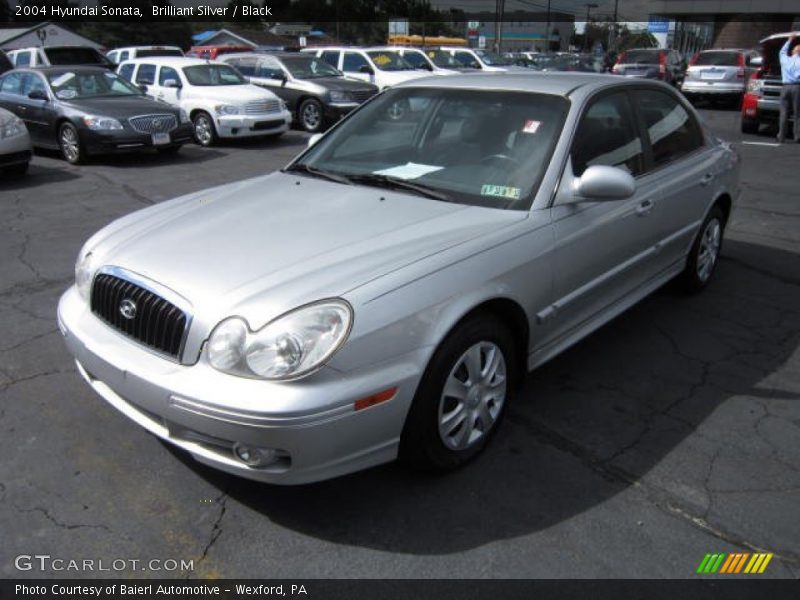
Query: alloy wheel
point(709, 249)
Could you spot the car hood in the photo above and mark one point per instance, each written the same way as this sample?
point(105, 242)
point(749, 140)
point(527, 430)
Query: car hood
point(284, 240)
point(120, 107)
point(342, 83)
point(230, 93)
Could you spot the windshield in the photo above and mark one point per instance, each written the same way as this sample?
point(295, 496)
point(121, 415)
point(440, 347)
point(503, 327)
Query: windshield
point(444, 59)
point(416, 59)
point(72, 86)
point(492, 59)
point(641, 57)
point(720, 59)
point(485, 148)
point(75, 56)
point(212, 75)
point(309, 67)
point(389, 61)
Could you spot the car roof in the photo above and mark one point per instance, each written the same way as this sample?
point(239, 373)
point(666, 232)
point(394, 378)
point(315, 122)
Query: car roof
point(46, 70)
point(777, 36)
point(158, 47)
point(390, 48)
point(555, 83)
point(183, 61)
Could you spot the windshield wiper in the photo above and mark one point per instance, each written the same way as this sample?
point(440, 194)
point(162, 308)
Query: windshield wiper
point(397, 183)
point(329, 175)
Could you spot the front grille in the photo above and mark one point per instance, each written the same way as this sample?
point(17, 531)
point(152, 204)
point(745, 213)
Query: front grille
point(259, 107)
point(362, 95)
point(156, 323)
point(154, 123)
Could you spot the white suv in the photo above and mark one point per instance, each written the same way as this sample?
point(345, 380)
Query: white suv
point(381, 67)
point(219, 100)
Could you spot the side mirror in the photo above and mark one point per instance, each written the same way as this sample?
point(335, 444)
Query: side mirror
point(143, 87)
point(37, 95)
point(172, 83)
point(756, 61)
point(313, 140)
point(366, 69)
point(475, 65)
point(278, 76)
point(605, 183)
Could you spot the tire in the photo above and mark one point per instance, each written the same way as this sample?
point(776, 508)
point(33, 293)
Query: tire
point(310, 115)
point(442, 432)
point(17, 170)
point(205, 133)
point(69, 142)
point(169, 150)
point(749, 126)
point(704, 255)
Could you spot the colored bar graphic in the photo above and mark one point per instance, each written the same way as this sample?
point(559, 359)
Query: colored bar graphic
point(703, 563)
point(717, 563)
point(727, 564)
point(740, 564)
point(753, 562)
point(765, 563)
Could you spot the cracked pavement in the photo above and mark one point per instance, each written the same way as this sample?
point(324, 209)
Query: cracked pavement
point(671, 432)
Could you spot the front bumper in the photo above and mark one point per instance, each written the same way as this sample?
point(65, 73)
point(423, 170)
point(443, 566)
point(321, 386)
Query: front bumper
point(126, 140)
point(204, 411)
point(15, 150)
point(239, 126)
point(336, 110)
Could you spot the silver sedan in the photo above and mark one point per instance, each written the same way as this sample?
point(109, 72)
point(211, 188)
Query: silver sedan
point(383, 295)
point(15, 144)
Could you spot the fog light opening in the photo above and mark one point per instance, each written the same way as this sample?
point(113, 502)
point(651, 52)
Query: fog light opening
point(256, 457)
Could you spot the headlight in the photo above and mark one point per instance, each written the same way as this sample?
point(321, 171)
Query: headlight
point(184, 116)
point(340, 96)
point(11, 127)
point(227, 109)
point(289, 347)
point(101, 123)
point(84, 273)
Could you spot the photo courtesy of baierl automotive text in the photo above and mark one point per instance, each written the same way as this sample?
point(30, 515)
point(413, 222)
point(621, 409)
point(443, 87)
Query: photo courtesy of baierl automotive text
point(478, 299)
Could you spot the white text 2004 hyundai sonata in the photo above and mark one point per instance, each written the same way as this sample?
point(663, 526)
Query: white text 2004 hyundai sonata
point(381, 295)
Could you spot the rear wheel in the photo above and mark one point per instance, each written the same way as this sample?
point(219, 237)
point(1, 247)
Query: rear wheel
point(704, 255)
point(69, 142)
point(461, 397)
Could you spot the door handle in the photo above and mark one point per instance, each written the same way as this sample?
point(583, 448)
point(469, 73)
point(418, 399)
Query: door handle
point(707, 178)
point(21, 107)
point(644, 208)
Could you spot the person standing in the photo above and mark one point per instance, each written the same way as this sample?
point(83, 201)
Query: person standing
point(790, 92)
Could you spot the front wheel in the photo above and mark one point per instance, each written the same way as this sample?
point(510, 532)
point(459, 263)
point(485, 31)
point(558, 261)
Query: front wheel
point(461, 397)
point(69, 142)
point(310, 115)
point(205, 133)
point(704, 255)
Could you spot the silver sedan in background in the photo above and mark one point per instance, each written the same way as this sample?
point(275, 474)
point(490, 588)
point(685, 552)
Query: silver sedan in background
point(384, 294)
point(15, 145)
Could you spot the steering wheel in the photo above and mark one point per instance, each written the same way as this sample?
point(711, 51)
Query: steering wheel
point(501, 157)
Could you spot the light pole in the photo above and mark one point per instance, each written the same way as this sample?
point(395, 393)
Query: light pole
point(589, 6)
point(547, 30)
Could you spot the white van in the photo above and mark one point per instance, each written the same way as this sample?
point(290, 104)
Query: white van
point(220, 101)
point(57, 55)
point(474, 58)
point(117, 55)
point(381, 67)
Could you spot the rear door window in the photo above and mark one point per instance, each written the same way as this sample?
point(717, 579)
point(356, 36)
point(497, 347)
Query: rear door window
point(12, 84)
point(23, 59)
point(126, 71)
point(168, 73)
point(353, 62)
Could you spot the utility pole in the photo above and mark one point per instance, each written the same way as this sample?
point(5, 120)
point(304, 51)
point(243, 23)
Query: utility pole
point(547, 30)
point(589, 6)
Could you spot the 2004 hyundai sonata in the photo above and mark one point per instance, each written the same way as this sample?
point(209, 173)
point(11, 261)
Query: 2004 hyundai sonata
point(382, 294)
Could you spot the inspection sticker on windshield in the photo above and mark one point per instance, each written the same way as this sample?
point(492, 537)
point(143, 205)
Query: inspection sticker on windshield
point(500, 191)
point(531, 126)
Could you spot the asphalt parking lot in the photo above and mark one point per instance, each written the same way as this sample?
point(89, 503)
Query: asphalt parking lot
point(670, 433)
